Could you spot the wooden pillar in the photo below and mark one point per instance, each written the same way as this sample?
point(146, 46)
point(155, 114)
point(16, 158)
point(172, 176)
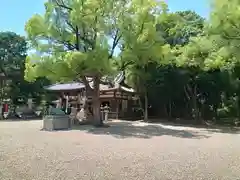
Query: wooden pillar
point(79, 99)
point(117, 104)
point(59, 103)
point(66, 97)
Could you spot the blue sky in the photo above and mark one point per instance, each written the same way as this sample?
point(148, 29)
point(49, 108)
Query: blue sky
point(15, 13)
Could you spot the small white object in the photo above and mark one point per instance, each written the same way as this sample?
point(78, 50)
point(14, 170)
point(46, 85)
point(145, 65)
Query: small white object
point(5, 115)
point(80, 115)
point(38, 113)
point(19, 114)
point(67, 99)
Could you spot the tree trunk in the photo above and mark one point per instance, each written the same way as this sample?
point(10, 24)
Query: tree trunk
point(237, 107)
point(141, 107)
point(191, 93)
point(166, 110)
point(195, 104)
point(1, 98)
point(170, 109)
point(96, 102)
point(86, 107)
point(145, 107)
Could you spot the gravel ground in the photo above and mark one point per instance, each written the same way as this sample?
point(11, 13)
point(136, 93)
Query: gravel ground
point(124, 151)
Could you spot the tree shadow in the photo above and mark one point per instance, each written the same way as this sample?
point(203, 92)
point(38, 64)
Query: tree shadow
point(20, 120)
point(125, 129)
point(211, 128)
point(224, 130)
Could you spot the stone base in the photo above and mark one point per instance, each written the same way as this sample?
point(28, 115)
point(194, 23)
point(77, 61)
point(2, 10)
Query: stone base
point(56, 122)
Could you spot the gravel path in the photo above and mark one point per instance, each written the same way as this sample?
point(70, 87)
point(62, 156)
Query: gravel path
point(124, 151)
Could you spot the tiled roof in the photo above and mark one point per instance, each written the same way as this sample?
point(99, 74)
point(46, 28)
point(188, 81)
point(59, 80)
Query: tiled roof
point(78, 86)
point(65, 86)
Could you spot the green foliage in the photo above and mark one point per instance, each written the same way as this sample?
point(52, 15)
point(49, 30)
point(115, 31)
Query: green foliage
point(142, 42)
point(177, 28)
point(74, 35)
point(190, 64)
point(77, 39)
point(13, 50)
point(209, 60)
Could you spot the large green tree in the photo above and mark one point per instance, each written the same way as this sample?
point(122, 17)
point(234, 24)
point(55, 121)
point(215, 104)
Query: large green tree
point(13, 49)
point(210, 53)
point(203, 79)
point(13, 52)
point(158, 76)
point(178, 27)
point(143, 44)
point(77, 39)
point(223, 28)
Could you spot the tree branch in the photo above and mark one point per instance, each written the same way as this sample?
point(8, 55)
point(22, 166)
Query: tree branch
point(77, 39)
point(71, 26)
point(95, 31)
point(75, 29)
point(62, 5)
point(227, 36)
point(64, 43)
point(86, 82)
point(116, 39)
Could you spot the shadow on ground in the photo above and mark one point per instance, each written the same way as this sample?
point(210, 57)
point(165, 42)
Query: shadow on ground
point(210, 128)
point(124, 129)
point(20, 120)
